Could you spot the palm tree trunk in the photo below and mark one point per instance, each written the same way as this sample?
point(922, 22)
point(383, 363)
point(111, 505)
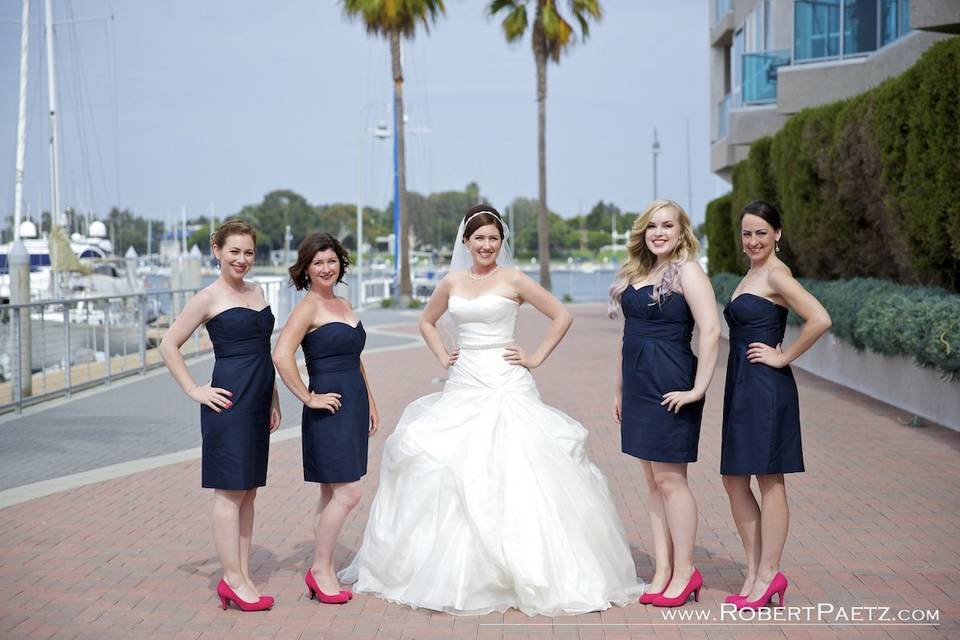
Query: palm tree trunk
point(406, 288)
point(543, 239)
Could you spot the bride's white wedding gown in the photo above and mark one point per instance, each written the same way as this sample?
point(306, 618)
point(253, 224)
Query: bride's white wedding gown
point(487, 499)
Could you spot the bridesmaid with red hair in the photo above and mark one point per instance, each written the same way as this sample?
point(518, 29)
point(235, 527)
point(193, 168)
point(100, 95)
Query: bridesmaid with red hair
point(239, 408)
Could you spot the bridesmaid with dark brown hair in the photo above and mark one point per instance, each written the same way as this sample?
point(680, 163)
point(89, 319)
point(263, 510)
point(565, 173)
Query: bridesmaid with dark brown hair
point(761, 409)
point(339, 414)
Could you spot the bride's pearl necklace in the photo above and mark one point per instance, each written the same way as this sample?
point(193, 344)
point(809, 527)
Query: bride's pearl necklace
point(474, 276)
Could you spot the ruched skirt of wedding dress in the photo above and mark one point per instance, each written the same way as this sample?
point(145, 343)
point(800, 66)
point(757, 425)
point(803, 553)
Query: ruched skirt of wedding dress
point(487, 501)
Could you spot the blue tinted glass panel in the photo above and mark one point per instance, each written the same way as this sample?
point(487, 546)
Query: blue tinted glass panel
point(904, 17)
point(816, 31)
point(889, 21)
point(760, 75)
point(859, 26)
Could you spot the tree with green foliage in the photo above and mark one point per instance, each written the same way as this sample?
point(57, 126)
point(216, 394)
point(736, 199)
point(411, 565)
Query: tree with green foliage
point(551, 36)
point(394, 19)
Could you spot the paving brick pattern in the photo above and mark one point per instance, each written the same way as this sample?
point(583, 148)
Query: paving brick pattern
point(874, 523)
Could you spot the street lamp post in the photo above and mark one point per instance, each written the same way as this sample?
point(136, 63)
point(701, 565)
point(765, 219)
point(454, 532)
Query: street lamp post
point(656, 152)
point(381, 132)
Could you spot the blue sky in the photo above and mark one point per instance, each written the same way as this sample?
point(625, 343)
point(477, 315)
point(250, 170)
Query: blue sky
point(184, 103)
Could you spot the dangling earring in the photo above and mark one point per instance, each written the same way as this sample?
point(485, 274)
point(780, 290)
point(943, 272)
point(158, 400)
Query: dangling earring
point(776, 246)
point(218, 264)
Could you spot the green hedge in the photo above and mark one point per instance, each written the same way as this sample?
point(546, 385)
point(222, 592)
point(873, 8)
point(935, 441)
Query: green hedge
point(721, 251)
point(870, 186)
point(884, 317)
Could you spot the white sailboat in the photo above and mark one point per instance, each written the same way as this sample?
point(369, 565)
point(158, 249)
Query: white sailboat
point(88, 267)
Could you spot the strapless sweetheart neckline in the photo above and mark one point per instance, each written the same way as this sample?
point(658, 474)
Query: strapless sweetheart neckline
point(486, 295)
point(261, 310)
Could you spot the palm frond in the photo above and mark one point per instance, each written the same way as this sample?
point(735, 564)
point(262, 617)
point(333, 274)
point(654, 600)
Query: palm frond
point(496, 6)
point(515, 24)
point(583, 10)
point(383, 17)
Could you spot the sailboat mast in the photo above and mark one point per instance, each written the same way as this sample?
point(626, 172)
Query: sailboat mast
point(52, 102)
point(21, 122)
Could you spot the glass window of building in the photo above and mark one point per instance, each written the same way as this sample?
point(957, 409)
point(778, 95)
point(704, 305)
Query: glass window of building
point(816, 29)
point(859, 26)
point(894, 20)
point(866, 25)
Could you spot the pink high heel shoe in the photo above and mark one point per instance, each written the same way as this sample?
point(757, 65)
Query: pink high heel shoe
point(777, 586)
point(648, 597)
point(227, 595)
point(314, 590)
point(733, 598)
point(693, 586)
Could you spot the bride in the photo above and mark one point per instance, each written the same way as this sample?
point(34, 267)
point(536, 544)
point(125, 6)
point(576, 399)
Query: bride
point(487, 499)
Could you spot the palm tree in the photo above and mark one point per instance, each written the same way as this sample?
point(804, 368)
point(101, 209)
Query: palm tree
point(552, 35)
point(393, 19)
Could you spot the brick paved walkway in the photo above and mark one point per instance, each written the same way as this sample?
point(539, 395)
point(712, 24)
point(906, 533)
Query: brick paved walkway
point(875, 523)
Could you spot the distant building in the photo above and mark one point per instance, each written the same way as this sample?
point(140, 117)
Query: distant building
point(771, 58)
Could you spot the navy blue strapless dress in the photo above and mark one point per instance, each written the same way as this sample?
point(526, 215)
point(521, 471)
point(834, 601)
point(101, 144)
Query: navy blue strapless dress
point(761, 410)
point(335, 444)
point(656, 359)
point(236, 441)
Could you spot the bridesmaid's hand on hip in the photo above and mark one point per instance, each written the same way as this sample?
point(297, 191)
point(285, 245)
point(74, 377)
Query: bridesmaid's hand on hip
point(214, 397)
point(759, 352)
point(324, 401)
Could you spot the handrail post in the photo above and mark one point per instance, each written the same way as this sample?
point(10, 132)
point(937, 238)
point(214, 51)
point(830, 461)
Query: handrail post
point(66, 330)
point(106, 341)
point(18, 386)
point(142, 299)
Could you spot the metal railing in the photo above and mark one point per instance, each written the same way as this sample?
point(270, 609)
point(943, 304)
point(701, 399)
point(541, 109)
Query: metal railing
point(54, 348)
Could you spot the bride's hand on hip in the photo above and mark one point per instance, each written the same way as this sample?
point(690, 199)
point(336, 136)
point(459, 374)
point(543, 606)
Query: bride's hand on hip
point(451, 358)
point(515, 355)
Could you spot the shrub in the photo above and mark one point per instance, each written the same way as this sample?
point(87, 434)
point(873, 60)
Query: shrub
point(724, 284)
point(721, 248)
point(884, 317)
point(869, 186)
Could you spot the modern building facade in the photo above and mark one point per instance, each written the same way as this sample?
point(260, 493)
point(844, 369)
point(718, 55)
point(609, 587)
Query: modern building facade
point(771, 58)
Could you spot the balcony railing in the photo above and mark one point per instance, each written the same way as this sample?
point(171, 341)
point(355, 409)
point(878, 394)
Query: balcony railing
point(760, 75)
point(723, 116)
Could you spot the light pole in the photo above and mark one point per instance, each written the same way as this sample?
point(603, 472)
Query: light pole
point(656, 152)
point(381, 132)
